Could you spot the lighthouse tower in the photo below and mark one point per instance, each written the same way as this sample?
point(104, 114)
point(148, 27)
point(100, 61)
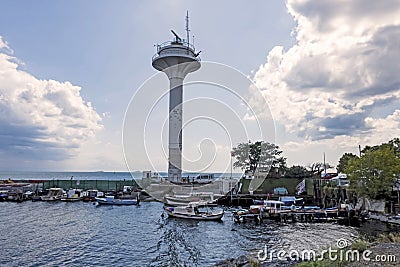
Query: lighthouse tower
point(176, 59)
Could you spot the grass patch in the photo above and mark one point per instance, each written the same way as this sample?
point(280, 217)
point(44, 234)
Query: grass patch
point(254, 262)
point(388, 238)
point(361, 245)
point(315, 264)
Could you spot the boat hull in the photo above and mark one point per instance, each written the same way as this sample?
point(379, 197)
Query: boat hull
point(71, 199)
point(46, 198)
point(117, 202)
point(202, 217)
point(184, 201)
point(54, 194)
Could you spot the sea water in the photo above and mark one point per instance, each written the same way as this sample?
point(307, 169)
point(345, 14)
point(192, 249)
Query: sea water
point(82, 234)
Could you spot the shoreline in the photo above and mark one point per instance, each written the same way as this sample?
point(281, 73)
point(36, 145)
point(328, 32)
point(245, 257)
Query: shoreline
point(378, 237)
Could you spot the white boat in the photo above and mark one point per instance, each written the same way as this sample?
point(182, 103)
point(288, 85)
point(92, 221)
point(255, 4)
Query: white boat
point(15, 195)
point(91, 194)
point(272, 206)
point(3, 195)
point(269, 209)
point(291, 200)
point(111, 200)
point(184, 200)
point(195, 211)
point(54, 194)
point(73, 195)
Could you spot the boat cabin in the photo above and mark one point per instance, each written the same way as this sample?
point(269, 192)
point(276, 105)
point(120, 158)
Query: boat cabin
point(273, 206)
point(55, 192)
point(74, 193)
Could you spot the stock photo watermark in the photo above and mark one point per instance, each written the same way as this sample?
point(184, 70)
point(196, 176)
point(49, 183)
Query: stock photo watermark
point(342, 252)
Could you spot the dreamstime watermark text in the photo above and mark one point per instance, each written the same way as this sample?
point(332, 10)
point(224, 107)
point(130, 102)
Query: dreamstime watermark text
point(342, 252)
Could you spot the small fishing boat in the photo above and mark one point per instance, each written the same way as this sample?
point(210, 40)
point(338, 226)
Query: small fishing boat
point(268, 209)
point(28, 195)
point(291, 200)
point(242, 215)
point(15, 195)
point(36, 198)
point(184, 200)
point(3, 195)
point(73, 195)
point(195, 211)
point(54, 194)
point(91, 194)
point(272, 206)
point(111, 200)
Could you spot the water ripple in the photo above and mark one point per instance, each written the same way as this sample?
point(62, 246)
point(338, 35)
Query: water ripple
point(81, 234)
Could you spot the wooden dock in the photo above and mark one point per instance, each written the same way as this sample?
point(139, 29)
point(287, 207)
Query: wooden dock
point(386, 218)
point(306, 216)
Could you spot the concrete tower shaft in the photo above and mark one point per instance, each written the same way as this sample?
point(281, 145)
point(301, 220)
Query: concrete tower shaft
point(176, 59)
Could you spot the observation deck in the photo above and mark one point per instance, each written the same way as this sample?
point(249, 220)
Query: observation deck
point(176, 52)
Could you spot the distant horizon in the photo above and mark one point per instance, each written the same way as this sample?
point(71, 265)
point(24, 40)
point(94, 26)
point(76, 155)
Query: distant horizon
point(7, 171)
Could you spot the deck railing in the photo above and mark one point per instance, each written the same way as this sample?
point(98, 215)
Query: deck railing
point(184, 44)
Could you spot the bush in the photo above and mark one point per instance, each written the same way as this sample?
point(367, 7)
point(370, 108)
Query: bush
point(388, 238)
point(254, 262)
point(315, 264)
point(359, 245)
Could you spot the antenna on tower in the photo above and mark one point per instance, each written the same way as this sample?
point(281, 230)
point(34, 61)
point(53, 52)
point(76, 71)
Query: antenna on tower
point(177, 38)
point(187, 28)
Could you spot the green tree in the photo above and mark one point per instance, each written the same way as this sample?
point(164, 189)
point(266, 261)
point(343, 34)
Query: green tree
point(297, 172)
point(258, 155)
point(394, 143)
point(343, 161)
point(318, 167)
point(373, 174)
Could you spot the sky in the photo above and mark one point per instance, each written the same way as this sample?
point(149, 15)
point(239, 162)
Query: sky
point(328, 71)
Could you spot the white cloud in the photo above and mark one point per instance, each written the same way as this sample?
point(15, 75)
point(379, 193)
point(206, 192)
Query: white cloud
point(41, 119)
point(343, 68)
point(386, 127)
point(106, 115)
point(4, 46)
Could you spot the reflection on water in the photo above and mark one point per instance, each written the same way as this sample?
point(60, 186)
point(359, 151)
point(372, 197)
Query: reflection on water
point(77, 234)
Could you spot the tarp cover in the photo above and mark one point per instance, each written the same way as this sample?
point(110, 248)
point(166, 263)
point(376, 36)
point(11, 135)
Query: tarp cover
point(372, 205)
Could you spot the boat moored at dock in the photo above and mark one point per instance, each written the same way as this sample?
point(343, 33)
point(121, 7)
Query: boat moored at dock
point(184, 200)
point(268, 209)
point(278, 211)
point(195, 211)
point(111, 200)
point(91, 194)
point(15, 195)
point(54, 194)
point(73, 195)
point(3, 195)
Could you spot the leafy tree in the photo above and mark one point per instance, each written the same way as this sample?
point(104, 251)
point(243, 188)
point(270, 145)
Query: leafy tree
point(343, 161)
point(394, 143)
point(259, 155)
point(373, 174)
point(297, 172)
point(318, 167)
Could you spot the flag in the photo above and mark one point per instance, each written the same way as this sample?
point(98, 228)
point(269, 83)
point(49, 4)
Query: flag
point(301, 187)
